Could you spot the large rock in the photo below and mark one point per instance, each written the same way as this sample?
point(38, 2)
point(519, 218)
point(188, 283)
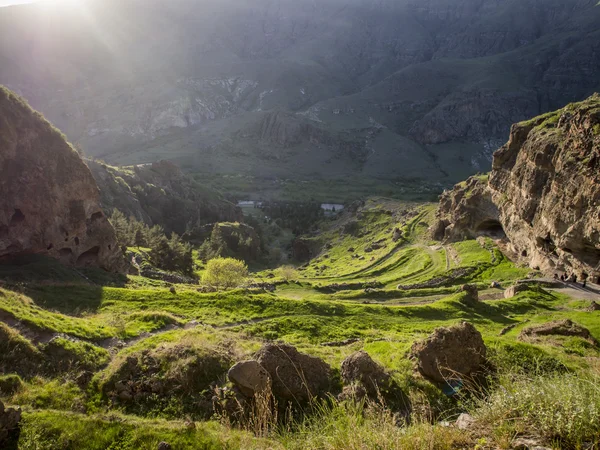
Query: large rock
point(360, 368)
point(296, 377)
point(450, 353)
point(249, 377)
point(10, 419)
point(515, 290)
point(50, 202)
point(564, 327)
point(546, 183)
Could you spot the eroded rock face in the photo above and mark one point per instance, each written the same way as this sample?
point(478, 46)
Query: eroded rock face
point(296, 377)
point(543, 194)
point(546, 183)
point(450, 353)
point(466, 211)
point(50, 201)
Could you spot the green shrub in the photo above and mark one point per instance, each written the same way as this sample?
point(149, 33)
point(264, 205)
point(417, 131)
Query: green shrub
point(225, 273)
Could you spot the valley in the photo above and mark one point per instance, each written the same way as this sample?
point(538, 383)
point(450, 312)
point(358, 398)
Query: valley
point(299, 225)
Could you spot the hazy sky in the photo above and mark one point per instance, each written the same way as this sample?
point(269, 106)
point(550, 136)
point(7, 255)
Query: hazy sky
point(13, 2)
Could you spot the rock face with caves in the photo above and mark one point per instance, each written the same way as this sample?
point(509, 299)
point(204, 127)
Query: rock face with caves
point(546, 183)
point(543, 193)
point(50, 201)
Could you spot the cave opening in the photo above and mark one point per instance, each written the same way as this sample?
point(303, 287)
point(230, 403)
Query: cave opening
point(17, 218)
point(89, 257)
point(492, 228)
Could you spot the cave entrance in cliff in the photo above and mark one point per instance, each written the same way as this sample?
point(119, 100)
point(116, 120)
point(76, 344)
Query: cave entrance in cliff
point(89, 258)
point(491, 228)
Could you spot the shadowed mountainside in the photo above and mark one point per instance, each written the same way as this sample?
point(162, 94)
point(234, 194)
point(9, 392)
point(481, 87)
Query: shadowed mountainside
point(305, 89)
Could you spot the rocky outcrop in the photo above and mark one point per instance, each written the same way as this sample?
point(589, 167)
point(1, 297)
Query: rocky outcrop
point(466, 212)
point(450, 353)
point(546, 183)
point(515, 290)
point(296, 377)
point(10, 419)
point(557, 328)
point(543, 194)
point(161, 194)
point(50, 201)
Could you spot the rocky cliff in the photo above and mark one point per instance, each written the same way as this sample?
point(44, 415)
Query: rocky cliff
point(545, 184)
point(50, 201)
point(161, 194)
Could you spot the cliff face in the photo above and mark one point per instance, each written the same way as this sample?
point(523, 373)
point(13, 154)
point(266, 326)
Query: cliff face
point(467, 211)
point(161, 194)
point(543, 191)
point(546, 183)
point(49, 202)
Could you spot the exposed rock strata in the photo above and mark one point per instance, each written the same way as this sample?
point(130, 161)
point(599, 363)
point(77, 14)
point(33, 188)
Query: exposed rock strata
point(543, 193)
point(546, 183)
point(50, 201)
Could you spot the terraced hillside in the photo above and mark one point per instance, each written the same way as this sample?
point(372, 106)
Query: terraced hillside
point(98, 361)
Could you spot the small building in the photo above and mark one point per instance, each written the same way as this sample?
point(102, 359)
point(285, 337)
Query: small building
point(332, 207)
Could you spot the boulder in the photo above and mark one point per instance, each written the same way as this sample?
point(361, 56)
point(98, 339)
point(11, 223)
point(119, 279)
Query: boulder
point(564, 327)
point(594, 307)
point(295, 376)
point(514, 290)
point(359, 368)
point(450, 353)
point(464, 421)
point(10, 419)
point(50, 203)
point(249, 377)
point(472, 293)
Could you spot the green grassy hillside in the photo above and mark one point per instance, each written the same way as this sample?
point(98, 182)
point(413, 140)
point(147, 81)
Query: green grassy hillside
point(68, 340)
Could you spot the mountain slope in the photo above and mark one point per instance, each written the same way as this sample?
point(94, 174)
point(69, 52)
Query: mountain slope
point(385, 90)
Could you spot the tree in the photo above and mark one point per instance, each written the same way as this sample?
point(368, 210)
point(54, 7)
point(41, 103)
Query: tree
point(225, 273)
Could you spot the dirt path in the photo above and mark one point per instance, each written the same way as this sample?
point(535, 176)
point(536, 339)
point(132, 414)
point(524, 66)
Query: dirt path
point(577, 291)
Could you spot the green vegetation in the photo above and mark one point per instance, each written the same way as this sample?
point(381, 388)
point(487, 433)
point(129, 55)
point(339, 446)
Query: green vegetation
point(225, 273)
point(166, 253)
point(160, 353)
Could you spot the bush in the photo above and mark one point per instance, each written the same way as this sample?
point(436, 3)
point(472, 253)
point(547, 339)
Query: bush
point(225, 273)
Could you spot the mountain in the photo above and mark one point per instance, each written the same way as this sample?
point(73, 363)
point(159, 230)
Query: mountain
point(543, 193)
point(50, 202)
point(392, 89)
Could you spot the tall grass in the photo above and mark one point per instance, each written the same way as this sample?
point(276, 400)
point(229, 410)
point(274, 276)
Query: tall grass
point(561, 408)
